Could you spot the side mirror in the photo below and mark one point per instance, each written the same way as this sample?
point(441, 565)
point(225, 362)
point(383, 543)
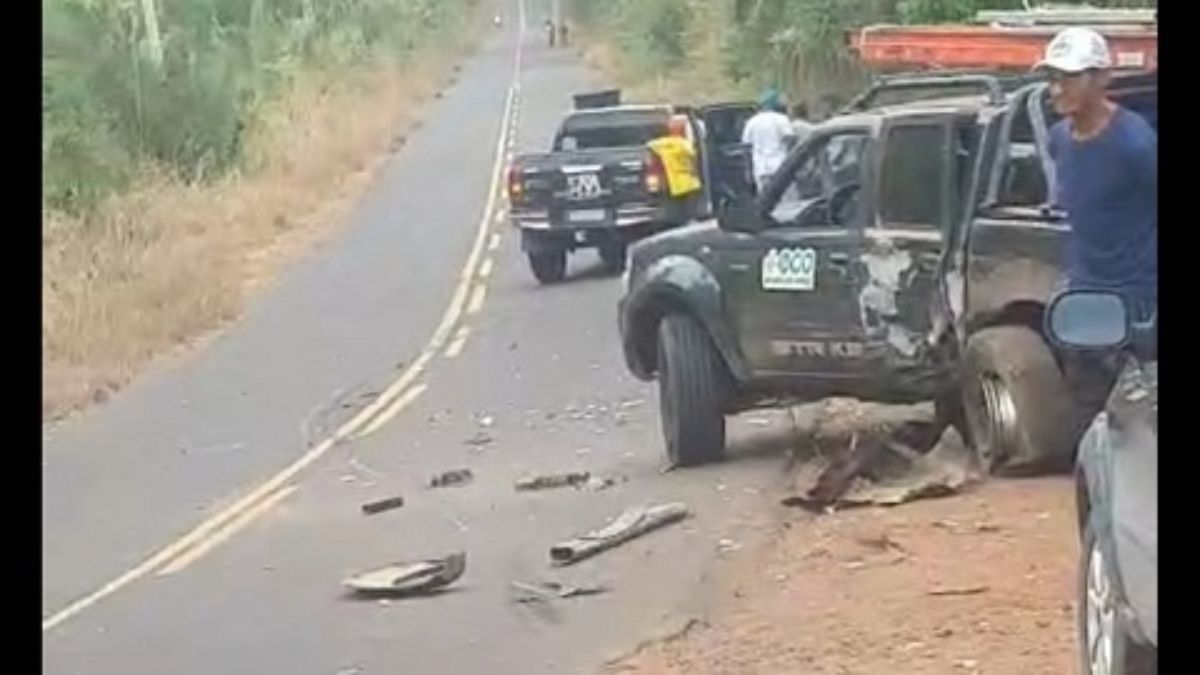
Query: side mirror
point(1088, 320)
point(740, 215)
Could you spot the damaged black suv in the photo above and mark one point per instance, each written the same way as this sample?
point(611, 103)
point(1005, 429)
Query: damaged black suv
point(904, 252)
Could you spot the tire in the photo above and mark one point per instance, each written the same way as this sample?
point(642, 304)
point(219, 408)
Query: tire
point(613, 257)
point(548, 266)
point(1099, 595)
point(692, 382)
point(1018, 408)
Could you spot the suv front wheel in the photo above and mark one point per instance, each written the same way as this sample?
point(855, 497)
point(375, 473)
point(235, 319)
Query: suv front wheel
point(692, 382)
point(1018, 407)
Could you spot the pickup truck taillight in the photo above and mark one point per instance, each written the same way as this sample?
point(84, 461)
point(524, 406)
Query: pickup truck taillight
point(655, 174)
point(515, 188)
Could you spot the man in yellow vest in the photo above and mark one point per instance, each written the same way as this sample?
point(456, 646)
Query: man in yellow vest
point(678, 156)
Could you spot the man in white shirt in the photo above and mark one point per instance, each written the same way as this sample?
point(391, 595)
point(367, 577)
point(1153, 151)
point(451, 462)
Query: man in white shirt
point(770, 135)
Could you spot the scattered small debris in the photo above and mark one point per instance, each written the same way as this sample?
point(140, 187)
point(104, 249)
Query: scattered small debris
point(728, 546)
point(943, 632)
point(381, 505)
point(961, 590)
point(630, 403)
point(596, 483)
point(552, 480)
point(544, 590)
point(451, 478)
point(882, 543)
point(480, 438)
point(912, 646)
point(966, 664)
point(486, 421)
point(634, 522)
point(407, 578)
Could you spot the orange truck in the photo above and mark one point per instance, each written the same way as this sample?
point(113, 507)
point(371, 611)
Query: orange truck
point(1012, 41)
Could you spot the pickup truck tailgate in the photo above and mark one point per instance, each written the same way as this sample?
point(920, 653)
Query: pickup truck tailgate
point(582, 187)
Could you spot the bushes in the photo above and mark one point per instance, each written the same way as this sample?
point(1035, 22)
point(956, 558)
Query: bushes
point(110, 107)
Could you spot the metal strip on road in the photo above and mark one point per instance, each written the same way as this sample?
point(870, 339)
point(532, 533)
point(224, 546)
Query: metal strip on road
point(209, 532)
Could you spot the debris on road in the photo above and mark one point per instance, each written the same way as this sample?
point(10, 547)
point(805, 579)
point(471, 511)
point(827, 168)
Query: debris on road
point(884, 472)
point(546, 590)
point(596, 483)
point(479, 439)
point(630, 403)
point(381, 505)
point(961, 590)
point(634, 522)
point(552, 480)
point(452, 478)
point(409, 578)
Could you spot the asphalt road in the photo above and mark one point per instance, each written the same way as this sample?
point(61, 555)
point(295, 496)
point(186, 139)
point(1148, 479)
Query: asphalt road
point(203, 521)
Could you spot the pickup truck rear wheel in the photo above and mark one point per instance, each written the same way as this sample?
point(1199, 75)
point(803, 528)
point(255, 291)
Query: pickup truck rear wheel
point(548, 266)
point(613, 257)
point(692, 382)
point(1018, 407)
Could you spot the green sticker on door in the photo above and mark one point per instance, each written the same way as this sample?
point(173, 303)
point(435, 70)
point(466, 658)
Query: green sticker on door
point(789, 269)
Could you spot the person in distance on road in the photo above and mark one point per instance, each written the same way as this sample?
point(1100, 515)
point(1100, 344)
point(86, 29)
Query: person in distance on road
point(770, 135)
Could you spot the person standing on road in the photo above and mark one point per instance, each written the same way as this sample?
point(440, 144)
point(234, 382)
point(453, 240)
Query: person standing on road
point(770, 135)
point(1106, 170)
point(677, 153)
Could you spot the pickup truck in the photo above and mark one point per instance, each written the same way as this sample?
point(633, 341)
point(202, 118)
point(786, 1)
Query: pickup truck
point(599, 186)
point(904, 252)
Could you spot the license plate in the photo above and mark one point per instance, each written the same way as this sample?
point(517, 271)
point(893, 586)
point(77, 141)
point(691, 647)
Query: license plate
point(789, 269)
point(586, 215)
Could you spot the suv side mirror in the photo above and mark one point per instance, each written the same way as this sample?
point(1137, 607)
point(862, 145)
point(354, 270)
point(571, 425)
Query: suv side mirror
point(1088, 320)
point(740, 215)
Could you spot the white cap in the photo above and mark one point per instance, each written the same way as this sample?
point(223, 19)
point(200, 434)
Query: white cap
point(1075, 50)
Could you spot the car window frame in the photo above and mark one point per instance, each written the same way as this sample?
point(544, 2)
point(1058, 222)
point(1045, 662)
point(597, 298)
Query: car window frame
point(817, 141)
point(946, 124)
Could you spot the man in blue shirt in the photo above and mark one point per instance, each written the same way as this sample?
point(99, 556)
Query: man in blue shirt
point(1106, 170)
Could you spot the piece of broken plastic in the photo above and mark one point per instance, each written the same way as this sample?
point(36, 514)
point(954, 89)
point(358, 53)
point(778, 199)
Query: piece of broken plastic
point(406, 578)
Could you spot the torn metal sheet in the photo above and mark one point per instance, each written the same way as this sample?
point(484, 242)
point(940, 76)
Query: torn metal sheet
point(633, 523)
point(547, 590)
point(884, 472)
point(408, 578)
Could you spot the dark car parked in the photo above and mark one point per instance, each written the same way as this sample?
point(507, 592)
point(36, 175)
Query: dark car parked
point(1116, 489)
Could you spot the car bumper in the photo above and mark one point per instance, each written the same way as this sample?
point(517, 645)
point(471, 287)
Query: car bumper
point(622, 217)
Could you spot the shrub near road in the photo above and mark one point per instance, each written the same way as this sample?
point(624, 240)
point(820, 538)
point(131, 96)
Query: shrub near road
point(175, 160)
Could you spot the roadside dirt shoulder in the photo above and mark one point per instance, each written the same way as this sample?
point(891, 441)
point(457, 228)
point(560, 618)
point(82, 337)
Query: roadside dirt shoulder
point(981, 582)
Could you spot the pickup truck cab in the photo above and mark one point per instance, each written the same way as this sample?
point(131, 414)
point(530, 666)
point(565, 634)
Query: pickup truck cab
point(904, 252)
point(600, 187)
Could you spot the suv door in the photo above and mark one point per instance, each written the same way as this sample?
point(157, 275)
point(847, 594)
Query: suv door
point(918, 163)
point(790, 289)
point(726, 159)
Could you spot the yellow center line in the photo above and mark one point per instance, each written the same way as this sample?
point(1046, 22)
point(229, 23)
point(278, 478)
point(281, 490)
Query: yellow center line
point(495, 243)
point(485, 270)
point(460, 341)
point(220, 536)
point(477, 299)
point(393, 410)
point(212, 526)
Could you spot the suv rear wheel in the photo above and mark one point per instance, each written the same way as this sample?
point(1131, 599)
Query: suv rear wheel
point(1018, 407)
point(692, 382)
point(548, 266)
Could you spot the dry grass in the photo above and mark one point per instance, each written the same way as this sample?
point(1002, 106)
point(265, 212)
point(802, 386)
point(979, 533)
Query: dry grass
point(167, 263)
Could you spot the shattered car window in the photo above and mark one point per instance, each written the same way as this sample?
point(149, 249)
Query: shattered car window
point(835, 163)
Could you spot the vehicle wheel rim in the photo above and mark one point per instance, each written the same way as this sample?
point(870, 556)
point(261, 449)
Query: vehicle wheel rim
point(1000, 419)
point(1100, 614)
